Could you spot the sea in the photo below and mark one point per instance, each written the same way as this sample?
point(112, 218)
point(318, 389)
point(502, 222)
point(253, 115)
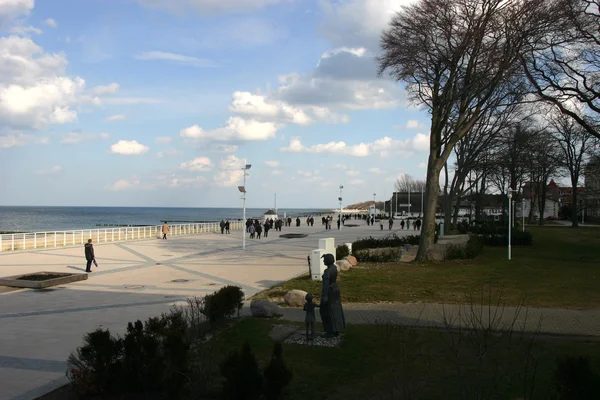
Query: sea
point(42, 219)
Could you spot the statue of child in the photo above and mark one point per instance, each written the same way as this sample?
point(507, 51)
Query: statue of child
point(309, 318)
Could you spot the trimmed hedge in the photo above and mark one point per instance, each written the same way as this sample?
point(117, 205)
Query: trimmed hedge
point(385, 242)
point(501, 239)
point(378, 254)
point(473, 248)
point(341, 251)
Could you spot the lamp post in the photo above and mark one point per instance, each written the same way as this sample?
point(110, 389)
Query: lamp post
point(242, 190)
point(341, 215)
point(374, 204)
point(510, 202)
point(523, 212)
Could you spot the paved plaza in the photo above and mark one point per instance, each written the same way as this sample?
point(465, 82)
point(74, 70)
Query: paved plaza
point(39, 329)
point(135, 280)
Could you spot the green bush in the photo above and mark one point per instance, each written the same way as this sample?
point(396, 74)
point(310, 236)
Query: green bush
point(223, 303)
point(95, 367)
point(385, 242)
point(243, 380)
point(500, 238)
point(341, 251)
point(152, 357)
point(473, 248)
point(378, 255)
point(277, 375)
point(574, 379)
point(462, 227)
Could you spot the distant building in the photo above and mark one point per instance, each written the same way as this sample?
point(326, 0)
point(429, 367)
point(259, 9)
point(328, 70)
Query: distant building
point(270, 214)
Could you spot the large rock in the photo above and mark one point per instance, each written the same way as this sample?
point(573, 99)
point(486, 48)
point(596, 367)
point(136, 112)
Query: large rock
point(352, 260)
point(264, 309)
point(343, 265)
point(295, 298)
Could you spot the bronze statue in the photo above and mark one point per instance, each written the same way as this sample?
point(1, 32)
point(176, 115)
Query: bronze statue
point(331, 311)
point(309, 318)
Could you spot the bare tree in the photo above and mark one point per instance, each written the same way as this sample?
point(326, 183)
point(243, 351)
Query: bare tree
point(459, 59)
point(406, 183)
point(563, 67)
point(575, 145)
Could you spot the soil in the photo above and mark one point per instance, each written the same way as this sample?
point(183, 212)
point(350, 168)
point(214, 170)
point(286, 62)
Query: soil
point(39, 277)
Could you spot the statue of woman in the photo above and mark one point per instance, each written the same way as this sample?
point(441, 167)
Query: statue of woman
point(331, 311)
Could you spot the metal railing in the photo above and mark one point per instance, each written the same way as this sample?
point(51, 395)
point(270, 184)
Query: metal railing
point(42, 240)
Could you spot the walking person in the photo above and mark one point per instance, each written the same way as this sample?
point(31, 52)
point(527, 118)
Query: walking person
point(391, 223)
point(418, 224)
point(258, 230)
point(227, 226)
point(89, 256)
point(407, 224)
point(402, 224)
point(222, 226)
point(381, 223)
point(165, 230)
point(267, 227)
point(251, 230)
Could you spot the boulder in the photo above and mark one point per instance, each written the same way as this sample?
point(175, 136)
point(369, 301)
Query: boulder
point(264, 309)
point(295, 298)
point(343, 265)
point(352, 260)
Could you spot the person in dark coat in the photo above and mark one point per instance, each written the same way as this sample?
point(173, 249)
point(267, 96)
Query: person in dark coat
point(258, 229)
point(227, 226)
point(297, 221)
point(222, 226)
point(332, 314)
point(90, 257)
point(267, 227)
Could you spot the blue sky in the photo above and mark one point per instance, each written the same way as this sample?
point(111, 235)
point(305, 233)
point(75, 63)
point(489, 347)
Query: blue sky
point(158, 102)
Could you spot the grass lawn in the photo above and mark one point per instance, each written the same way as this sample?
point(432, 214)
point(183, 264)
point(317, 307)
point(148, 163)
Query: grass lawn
point(560, 270)
point(378, 358)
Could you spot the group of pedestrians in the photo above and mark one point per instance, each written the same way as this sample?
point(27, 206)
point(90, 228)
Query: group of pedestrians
point(224, 225)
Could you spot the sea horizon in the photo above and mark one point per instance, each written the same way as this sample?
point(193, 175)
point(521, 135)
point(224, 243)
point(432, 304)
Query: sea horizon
point(60, 218)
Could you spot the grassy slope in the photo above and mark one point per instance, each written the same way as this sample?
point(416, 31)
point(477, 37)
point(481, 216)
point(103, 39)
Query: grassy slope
point(561, 270)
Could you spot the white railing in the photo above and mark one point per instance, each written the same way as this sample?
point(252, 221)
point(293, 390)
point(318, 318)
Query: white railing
point(41, 240)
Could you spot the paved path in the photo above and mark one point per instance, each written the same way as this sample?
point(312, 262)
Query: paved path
point(545, 320)
point(39, 329)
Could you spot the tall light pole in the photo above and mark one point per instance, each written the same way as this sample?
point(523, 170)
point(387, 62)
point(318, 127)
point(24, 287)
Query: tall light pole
point(510, 221)
point(374, 204)
point(341, 215)
point(242, 190)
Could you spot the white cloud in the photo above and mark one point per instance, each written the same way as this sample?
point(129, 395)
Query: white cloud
point(358, 23)
point(129, 100)
point(414, 124)
point(11, 9)
point(78, 137)
point(230, 171)
point(177, 58)
point(276, 172)
point(34, 91)
point(129, 184)
point(356, 182)
point(25, 30)
point(181, 182)
point(236, 128)
point(197, 164)
point(169, 153)
point(423, 165)
point(20, 139)
point(272, 164)
point(383, 147)
point(117, 117)
point(128, 148)
point(50, 22)
point(352, 172)
point(376, 171)
point(163, 140)
point(225, 148)
point(208, 7)
point(106, 89)
point(49, 171)
point(359, 150)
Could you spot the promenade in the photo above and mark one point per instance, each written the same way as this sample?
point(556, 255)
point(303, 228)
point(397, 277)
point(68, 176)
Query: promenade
point(140, 279)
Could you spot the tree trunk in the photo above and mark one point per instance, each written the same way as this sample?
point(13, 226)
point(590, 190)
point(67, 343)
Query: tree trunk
point(574, 218)
point(430, 207)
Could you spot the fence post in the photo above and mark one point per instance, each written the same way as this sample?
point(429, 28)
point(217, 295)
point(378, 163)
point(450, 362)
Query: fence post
point(64, 238)
point(54, 238)
point(45, 239)
point(12, 245)
point(34, 240)
point(1, 248)
point(24, 241)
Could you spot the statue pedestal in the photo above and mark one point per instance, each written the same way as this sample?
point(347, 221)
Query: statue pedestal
point(317, 267)
point(327, 244)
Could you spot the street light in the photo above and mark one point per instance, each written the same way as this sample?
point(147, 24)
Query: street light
point(509, 220)
point(242, 190)
point(340, 199)
point(374, 204)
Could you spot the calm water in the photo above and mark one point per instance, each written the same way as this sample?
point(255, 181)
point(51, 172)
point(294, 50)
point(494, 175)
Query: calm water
point(30, 219)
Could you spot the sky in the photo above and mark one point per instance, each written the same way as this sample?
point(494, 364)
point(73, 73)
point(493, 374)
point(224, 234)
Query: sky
point(159, 102)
